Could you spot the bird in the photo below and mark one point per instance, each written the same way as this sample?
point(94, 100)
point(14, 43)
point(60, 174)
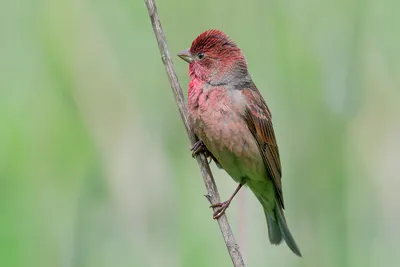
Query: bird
point(233, 126)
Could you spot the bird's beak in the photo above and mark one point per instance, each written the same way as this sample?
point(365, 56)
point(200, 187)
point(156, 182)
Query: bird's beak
point(186, 55)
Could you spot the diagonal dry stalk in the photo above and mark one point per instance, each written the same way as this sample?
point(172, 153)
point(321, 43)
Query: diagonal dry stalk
point(212, 191)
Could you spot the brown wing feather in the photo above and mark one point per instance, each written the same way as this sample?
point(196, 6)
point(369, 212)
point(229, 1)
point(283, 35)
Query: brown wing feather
point(258, 119)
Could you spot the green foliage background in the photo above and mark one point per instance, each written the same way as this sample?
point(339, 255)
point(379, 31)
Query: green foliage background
point(94, 161)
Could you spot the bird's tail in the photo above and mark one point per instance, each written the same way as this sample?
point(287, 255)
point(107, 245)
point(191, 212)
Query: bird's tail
point(278, 229)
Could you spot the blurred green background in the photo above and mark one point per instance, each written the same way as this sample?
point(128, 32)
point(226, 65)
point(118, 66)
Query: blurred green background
point(94, 162)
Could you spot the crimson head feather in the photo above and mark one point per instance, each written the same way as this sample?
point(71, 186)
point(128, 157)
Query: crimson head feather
point(215, 58)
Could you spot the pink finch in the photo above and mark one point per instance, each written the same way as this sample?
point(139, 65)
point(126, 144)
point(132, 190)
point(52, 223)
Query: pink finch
point(233, 125)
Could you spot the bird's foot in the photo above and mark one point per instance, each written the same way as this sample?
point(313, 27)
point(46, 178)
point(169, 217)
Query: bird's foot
point(220, 208)
point(198, 148)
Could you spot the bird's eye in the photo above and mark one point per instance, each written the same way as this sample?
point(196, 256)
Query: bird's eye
point(200, 55)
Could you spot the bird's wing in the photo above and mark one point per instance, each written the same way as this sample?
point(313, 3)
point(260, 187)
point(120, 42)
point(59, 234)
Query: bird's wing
point(258, 119)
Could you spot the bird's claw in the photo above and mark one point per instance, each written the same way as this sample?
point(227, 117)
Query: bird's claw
point(198, 148)
point(220, 208)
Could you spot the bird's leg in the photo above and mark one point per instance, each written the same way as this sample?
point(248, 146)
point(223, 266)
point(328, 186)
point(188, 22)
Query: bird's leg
point(222, 206)
point(198, 148)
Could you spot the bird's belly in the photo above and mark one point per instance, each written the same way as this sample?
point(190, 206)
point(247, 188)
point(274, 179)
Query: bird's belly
point(228, 138)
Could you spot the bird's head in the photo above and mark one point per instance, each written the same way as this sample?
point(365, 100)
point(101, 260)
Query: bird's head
point(215, 59)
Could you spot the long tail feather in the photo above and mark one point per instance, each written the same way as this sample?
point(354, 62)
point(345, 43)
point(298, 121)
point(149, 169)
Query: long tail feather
point(277, 226)
point(287, 236)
